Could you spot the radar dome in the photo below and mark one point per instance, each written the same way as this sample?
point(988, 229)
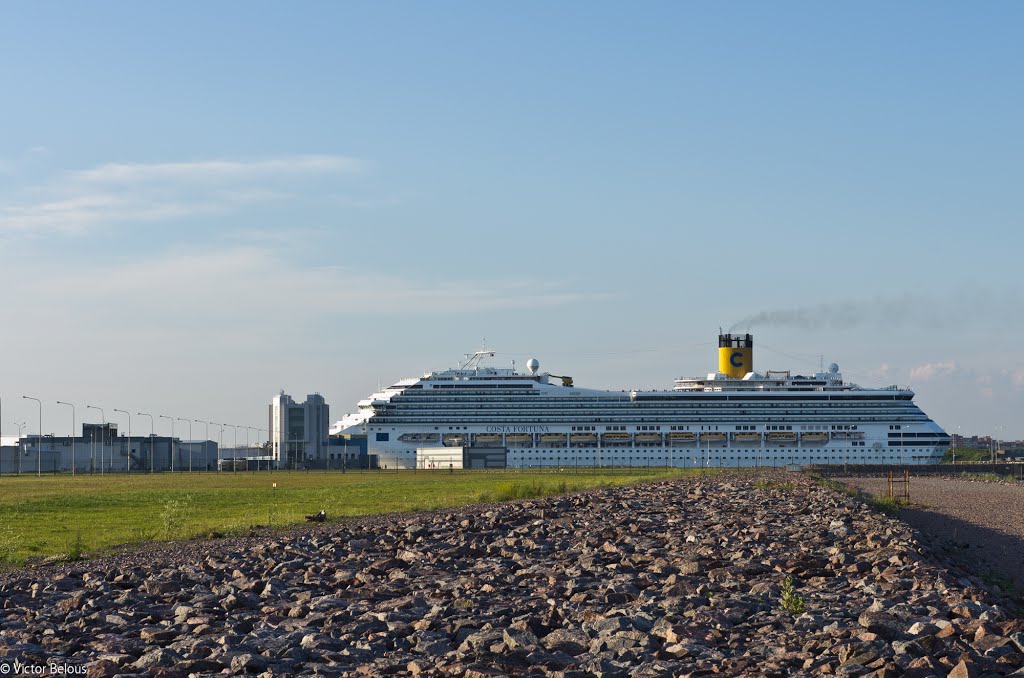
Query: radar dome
point(833, 368)
point(533, 365)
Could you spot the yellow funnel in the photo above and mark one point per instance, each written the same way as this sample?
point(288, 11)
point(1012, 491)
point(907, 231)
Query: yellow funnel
point(735, 354)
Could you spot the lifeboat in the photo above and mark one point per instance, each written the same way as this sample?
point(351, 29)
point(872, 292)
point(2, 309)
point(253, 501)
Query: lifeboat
point(712, 437)
point(747, 437)
point(454, 440)
point(583, 439)
point(552, 440)
point(519, 440)
point(814, 438)
point(682, 438)
point(648, 438)
point(781, 436)
point(615, 440)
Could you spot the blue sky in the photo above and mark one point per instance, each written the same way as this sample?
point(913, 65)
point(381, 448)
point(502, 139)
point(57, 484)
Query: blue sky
point(202, 204)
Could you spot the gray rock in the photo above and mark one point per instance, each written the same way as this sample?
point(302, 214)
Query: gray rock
point(158, 657)
point(885, 625)
point(517, 639)
point(249, 663)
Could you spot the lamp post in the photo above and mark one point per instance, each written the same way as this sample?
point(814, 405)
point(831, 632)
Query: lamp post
point(260, 447)
point(220, 441)
point(151, 427)
point(234, 448)
point(247, 450)
point(60, 402)
point(103, 428)
point(189, 443)
point(170, 443)
point(128, 459)
point(21, 433)
point(39, 448)
point(993, 445)
point(205, 440)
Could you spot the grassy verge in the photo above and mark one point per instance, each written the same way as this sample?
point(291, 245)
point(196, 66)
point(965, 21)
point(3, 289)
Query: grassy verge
point(992, 477)
point(73, 517)
point(834, 485)
point(965, 454)
point(890, 506)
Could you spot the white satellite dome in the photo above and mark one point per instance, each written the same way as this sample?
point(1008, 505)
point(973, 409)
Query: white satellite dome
point(533, 365)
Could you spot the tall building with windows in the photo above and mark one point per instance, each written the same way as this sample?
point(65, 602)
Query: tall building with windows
point(298, 431)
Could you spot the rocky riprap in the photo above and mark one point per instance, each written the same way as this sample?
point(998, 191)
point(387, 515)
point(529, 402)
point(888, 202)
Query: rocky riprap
point(669, 578)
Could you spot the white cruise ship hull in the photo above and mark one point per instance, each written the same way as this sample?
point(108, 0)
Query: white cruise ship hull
point(726, 420)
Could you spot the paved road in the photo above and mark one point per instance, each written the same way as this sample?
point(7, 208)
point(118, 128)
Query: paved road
point(981, 523)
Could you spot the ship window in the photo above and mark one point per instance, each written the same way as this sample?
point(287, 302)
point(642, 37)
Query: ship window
point(383, 437)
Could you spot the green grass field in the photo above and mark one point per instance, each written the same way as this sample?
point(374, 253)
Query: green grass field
point(75, 516)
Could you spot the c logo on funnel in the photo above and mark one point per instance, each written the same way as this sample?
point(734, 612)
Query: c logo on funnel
point(736, 359)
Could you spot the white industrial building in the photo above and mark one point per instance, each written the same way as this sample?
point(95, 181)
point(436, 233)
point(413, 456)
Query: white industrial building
point(100, 449)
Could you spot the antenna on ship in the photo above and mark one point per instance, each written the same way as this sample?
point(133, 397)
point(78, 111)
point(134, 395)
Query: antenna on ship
point(473, 360)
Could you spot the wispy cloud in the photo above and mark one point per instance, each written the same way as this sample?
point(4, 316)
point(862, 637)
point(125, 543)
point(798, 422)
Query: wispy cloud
point(215, 170)
point(77, 214)
point(113, 194)
point(983, 380)
point(930, 371)
point(249, 280)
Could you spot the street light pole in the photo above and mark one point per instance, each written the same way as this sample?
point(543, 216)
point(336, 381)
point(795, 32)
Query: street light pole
point(151, 427)
point(264, 447)
point(103, 428)
point(220, 442)
point(170, 443)
point(205, 440)
point(128, 459)
point(189, 442)
point(234, 453)
point(995, 443)
point(39, 448)
point(60, 402)
point(21, 434)
point(247, 450)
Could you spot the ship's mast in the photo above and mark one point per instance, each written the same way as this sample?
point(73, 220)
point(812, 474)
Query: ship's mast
point(473, 360)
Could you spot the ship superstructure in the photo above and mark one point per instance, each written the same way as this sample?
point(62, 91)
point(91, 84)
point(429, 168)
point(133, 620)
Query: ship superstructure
point(732, 417)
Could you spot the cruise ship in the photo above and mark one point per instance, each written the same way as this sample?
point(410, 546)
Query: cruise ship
point(729, 418)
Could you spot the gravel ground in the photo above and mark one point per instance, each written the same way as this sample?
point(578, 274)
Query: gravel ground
point(679, 577)
point(980, 523)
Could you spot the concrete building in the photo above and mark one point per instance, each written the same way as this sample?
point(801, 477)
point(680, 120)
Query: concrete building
point(345, 451)
point(299, 431)
point(101, 450)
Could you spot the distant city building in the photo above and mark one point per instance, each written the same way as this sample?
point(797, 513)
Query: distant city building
point(298, 431)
